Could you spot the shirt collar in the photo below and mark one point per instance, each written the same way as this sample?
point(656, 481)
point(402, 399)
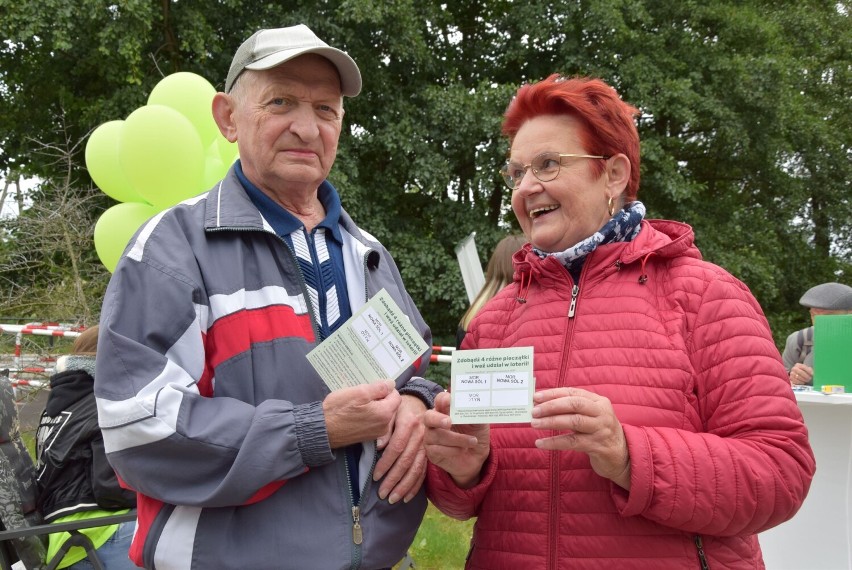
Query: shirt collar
point(282, 221)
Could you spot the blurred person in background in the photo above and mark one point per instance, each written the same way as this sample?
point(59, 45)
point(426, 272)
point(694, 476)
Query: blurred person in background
point(498, 274)
point(824, 299)
point(75, 481)
point(18, 499)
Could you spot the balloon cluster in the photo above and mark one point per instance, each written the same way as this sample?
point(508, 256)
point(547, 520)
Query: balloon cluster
point(164, 152)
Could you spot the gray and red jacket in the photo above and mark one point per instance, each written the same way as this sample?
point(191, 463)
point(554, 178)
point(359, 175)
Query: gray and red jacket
point(718, 448)
point(210, 409)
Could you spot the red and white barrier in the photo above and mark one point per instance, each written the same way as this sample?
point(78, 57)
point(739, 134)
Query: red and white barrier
point(38, 329)
point(447, 357)
point(21, 383)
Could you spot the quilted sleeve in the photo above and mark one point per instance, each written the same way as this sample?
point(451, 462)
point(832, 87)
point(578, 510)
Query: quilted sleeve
point(453, 501)
point(751, 467)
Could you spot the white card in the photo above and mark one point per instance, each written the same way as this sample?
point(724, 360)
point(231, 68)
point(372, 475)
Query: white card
point(377, 342)
point(492, 386)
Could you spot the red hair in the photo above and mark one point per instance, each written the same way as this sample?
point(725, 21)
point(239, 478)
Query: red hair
point(607, 122)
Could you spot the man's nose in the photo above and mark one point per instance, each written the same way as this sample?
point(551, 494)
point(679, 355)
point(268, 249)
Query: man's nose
point(304, 122)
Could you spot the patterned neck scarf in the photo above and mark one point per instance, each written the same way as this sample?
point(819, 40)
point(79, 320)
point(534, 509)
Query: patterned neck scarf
point(623, 226)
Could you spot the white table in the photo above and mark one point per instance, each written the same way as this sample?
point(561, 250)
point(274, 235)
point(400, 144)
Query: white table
point(819, 537)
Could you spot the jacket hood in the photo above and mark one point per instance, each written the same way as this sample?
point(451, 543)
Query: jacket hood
point(657, 238)
point(665, 238)
point(66, 388)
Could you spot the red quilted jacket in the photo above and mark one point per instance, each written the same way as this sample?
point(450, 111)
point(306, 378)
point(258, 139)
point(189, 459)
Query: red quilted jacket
point(718, 447)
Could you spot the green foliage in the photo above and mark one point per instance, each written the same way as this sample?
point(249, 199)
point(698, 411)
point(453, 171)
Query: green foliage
point(745, 119)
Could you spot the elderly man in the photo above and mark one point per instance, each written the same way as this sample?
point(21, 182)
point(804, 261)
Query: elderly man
point(210, 410)
point(824, 299)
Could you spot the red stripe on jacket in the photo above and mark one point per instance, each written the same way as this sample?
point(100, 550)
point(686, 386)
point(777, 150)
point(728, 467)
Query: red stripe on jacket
point(235, 333)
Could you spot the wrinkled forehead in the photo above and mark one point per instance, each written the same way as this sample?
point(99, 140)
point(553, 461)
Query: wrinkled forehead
point(310, 71)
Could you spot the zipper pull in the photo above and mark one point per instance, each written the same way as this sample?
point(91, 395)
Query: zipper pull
point(574, 292)
point(357, 532)
point(702, 559)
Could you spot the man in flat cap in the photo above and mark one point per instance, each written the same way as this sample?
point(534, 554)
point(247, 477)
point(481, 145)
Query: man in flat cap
point(825, 299)
point(240, 454)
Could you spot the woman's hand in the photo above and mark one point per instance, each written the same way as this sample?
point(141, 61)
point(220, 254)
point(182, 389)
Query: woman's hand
point(459, 450)
point(588, 424)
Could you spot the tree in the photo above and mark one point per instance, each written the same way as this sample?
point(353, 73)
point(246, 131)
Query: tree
point(745, 114)
point(49, 267)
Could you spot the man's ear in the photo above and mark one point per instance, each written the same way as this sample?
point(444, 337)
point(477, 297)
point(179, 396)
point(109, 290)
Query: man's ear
point(618, 174)
point(224, 107)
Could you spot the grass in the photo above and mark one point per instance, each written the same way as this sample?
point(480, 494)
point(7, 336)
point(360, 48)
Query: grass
point(441, 543)
point(29, 442)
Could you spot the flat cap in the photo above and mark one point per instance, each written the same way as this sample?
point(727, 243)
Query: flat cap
point(829, 297)
point(266, 49)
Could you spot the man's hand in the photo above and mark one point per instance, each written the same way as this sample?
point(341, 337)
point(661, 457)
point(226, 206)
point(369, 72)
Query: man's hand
point(801, 374)
point(360, 413)
point(459, 450)
point(403, 463)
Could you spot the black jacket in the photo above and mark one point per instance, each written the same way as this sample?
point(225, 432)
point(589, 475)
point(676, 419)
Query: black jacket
point(73, 472)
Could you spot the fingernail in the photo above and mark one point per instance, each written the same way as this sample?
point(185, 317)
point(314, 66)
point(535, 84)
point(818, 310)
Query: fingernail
point(535, 423)
point(536, 412)
point(408, 499)
point(393, 498)
point(380, 442)
point(382, 495)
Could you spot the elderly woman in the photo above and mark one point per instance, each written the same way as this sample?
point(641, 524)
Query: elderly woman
point(664, 430)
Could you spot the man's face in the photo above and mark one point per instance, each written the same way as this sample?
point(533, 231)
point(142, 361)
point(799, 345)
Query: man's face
point(288, 121)
point(816, 312)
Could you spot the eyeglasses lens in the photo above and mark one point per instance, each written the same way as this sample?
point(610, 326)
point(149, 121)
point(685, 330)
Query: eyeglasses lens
point(545, 167)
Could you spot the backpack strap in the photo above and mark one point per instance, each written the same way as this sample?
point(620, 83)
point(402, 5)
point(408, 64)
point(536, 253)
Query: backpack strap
point(805, 343)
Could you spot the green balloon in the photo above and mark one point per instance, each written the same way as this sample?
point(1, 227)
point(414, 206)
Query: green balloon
point(104, 167)
point(161, 155)
point(116, 226)
point(214, 171)
point(228, 151)
point(192, 96)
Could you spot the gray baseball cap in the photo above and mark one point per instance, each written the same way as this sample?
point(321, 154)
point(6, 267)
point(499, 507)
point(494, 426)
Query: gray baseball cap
point(267, 48)
point(829, 297)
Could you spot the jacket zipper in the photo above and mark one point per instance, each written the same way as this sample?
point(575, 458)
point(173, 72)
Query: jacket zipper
point(357, 532)
point(573, 307)
point(554, 457)
point(702, 559)
point(357, 529)
point(366, 274)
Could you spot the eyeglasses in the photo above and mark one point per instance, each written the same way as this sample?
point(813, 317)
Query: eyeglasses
point(545, 167)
